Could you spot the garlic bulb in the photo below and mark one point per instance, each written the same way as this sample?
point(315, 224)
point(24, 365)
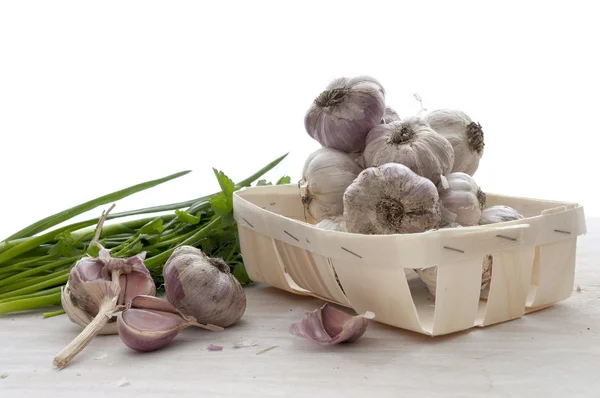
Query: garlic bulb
point(150, 323)
point(390, 115)
point(497, 214)
point(335, 223)
point(328, 325)
point(342, 115)
point(465, 135)
point(413, 143)
point(391, 199)
point(326, 175)
point(96, 286)
point(203, 287)
point(463, 202)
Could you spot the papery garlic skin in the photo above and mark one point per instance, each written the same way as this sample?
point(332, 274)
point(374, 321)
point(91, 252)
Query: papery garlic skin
point(326, 175)
point(134, 279)
point(203, 287)
point(465, 135)
point(328, 326)
point(463, 202)
point(342, 115)
point(391, 199)
point(335, 223)
point(413, 143)
point(390, 115)
point(498, 214)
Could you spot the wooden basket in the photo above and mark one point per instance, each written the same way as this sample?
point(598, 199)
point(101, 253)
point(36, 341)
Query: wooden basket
point(533, 261)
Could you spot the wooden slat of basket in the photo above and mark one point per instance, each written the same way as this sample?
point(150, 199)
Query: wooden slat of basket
point(556, 272)
point(457, 296)
point(382, 290)
point(511, 275)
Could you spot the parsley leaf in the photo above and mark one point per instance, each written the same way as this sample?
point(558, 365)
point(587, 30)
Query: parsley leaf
point(186, 217)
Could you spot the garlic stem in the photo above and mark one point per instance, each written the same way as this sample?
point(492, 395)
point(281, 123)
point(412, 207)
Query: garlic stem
point(64, 357)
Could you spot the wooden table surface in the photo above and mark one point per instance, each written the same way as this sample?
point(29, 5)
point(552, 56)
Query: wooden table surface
point(554, 352)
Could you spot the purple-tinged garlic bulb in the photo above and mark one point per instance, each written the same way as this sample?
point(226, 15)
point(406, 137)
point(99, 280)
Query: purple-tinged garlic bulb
point(390, 115)
point(463, 201)
point(391, 199)
point(94, 290)
point(150, 323)
point(328, 325)
point(342, 115)
point(326, 175)
point(203, 287)
point(498, 214)
point(335, 223)
point(413, 143)
point(465, 135)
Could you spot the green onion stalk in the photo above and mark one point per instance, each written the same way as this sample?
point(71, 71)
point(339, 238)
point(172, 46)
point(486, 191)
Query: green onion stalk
point(35, 262)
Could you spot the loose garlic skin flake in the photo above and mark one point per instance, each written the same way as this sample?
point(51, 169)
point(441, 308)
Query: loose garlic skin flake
point(391, 199)
point(414, 144)
point(465, 135)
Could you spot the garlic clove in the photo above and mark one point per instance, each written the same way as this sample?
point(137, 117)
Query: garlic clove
point(148, 330)
point(151, 323)
point(328, 325)
point(463, 201)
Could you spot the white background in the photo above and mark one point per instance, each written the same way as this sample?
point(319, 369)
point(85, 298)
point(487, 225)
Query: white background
point(97, 96)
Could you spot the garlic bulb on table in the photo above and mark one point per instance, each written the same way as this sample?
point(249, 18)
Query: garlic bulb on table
point(413, 143)
point(463, 202)
point(326, 175)
point(342, 115)
point(391, 199)
point(499, 213)
point(465, 135)
point(203, 287)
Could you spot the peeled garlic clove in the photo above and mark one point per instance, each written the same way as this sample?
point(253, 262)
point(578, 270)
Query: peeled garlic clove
point(151, 323)
point(463, 201)
point(391, 199)
point(465, 135)
point(498, 214)
point(326, 175)
point(203, 287)
point(414, 144)
point(335, 223)
point(390, 115)
point(328, 325)
point(342, 115)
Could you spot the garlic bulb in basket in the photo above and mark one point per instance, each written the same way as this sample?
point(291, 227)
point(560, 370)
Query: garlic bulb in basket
point(465, 135)
point(463, 202)
point(335, 223)
point(499, 213)
point(342, 115)
point(492, 215)
point(413, 143)
point(390, 115)
point(391, 199)
point(326, 175)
